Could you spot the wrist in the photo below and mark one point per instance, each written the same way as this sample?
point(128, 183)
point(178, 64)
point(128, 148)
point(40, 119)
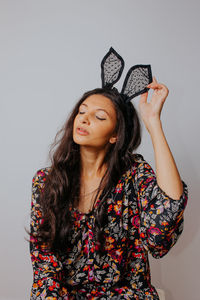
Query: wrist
point(154, 125)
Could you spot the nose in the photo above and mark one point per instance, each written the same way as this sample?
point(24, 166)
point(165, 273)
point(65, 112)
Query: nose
point(84, 118)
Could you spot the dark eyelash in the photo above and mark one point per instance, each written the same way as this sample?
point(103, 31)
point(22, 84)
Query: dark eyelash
point(100, 118)
point(96, 116)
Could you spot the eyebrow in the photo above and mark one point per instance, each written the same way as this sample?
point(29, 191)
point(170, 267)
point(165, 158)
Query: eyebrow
point(97, 109)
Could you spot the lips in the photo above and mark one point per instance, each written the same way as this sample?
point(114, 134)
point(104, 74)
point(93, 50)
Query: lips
point(82, 130)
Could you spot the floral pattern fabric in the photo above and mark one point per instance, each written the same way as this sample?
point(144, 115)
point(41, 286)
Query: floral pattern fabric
point(142, 219)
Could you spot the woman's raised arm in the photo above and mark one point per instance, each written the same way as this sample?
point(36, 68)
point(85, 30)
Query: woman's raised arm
point(167, 174)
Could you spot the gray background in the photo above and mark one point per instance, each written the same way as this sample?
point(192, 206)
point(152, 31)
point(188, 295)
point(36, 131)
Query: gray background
point(50, 53)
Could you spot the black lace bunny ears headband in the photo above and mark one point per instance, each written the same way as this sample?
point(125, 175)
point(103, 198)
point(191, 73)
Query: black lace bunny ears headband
point(136, 80)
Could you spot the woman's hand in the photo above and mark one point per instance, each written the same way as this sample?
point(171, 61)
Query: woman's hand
point(150, 111)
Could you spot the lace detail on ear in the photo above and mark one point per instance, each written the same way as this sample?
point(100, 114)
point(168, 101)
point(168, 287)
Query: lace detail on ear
point(137, 78)
point(112, 67)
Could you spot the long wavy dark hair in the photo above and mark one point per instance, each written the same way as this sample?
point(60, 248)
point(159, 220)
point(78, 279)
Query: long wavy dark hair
point(59, 192)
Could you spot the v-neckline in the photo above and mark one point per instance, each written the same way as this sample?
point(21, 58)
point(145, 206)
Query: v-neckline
point(91, 211)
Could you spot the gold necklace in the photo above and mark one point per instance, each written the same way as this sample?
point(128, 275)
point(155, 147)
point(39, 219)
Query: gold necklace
point(85, 194)
point(92, 203)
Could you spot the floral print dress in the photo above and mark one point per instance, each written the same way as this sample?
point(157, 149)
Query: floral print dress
point(142, 219)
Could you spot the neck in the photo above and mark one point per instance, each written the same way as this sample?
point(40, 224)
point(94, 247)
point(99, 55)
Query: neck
point(92, 162)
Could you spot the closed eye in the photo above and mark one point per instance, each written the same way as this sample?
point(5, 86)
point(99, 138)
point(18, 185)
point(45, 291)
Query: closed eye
point(96, 116)
point(100, 118)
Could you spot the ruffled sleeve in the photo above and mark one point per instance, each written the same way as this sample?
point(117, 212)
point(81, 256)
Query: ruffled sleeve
point(47, 266)
point(161, 217)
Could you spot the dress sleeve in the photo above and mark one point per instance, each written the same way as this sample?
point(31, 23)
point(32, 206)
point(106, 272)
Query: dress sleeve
point(161, 217)
point(47, 267)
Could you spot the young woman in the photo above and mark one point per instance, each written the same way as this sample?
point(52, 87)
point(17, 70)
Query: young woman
point(99, 209)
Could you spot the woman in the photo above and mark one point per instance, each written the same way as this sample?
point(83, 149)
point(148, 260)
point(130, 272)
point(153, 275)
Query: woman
point(99, 209)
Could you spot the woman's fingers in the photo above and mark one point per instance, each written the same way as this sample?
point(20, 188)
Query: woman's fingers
point(154, 79)
point(154, 84)
point(143, 97)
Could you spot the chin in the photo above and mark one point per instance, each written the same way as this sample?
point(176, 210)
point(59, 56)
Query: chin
point(78, 140)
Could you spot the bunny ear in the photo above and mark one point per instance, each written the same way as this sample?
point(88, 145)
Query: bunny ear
point(137, 78)
point(112, 67)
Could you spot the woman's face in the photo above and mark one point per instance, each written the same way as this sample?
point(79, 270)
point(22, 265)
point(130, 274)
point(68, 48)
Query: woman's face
point(95, 122)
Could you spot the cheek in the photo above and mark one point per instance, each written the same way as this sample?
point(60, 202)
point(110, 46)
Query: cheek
point(106, 130)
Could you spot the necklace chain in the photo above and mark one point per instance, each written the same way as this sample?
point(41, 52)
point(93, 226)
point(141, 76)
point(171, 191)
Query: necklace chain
point(85, 194)
point(92, 200)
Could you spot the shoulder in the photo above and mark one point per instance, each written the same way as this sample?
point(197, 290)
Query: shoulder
point(40, 176)
point(38, 182)
point(139, 167)
point(137, 157)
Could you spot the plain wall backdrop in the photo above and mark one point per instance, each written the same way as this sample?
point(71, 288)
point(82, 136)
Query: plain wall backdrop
point(50, 53)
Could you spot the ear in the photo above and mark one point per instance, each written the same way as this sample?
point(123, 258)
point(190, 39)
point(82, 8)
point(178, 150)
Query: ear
point(113, 139)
